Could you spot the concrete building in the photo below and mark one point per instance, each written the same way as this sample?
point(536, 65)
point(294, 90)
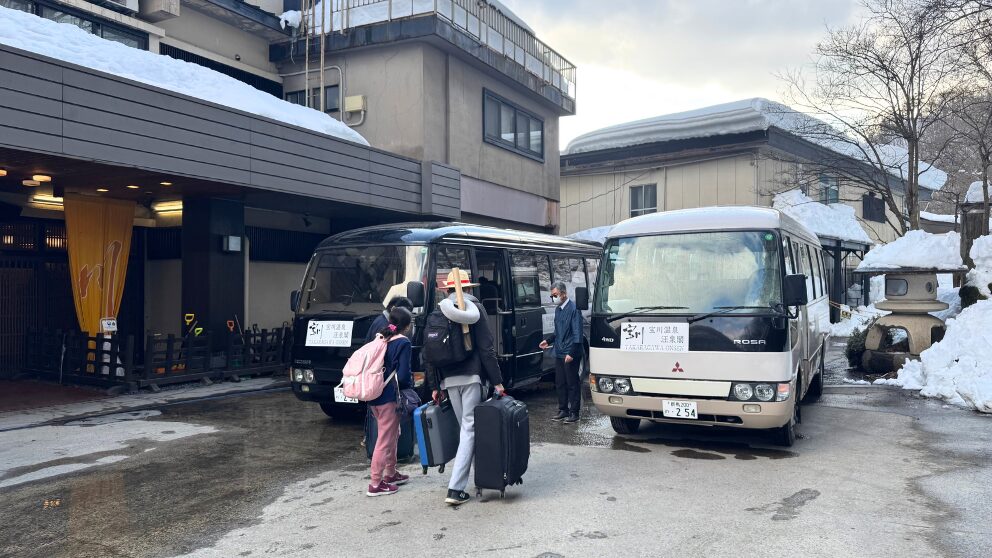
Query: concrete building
point(416, 86)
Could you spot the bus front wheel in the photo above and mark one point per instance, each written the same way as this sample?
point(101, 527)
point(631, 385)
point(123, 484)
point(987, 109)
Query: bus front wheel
point(785, 436)
point(625, 425)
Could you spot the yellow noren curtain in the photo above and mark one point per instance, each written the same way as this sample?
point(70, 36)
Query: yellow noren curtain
point(99, 240)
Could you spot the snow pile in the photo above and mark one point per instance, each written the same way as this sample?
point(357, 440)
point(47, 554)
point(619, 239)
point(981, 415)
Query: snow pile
point(981, 276)
point(938, 217)
point(952, 297)
point(858, 321)
point(596, 234)
point(916, 249)
point(974, 194)
point(956, 369)
point(356, 13)
point(752, 115)
point(836, 220)
point(32, 33)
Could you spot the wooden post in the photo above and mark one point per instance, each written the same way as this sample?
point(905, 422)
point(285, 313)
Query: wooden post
point(460, 298)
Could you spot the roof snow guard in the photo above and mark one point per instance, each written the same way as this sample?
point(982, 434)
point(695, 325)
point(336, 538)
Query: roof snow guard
point(738, 117)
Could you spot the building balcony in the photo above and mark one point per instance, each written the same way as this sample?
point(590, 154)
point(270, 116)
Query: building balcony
point(477, 29)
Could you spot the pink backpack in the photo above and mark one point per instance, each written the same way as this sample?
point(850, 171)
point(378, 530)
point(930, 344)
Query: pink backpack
point(364, 373)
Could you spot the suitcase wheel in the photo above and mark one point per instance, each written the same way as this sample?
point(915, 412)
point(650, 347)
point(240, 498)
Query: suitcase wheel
point(440, 469)
point(425, 470)
point(502, 494)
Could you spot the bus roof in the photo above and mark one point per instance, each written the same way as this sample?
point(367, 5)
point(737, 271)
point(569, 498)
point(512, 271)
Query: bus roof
point(464, 233)
point(712, 219)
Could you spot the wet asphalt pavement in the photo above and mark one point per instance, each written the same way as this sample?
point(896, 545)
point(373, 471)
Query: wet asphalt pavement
point(877, 472)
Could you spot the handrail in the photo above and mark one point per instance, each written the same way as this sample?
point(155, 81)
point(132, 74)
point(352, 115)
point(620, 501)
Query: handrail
point(480, 19)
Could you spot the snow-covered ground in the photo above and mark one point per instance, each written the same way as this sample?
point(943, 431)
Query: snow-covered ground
point(916, 249)
point(71, 44)
point(750, 115)
point(956, 369)
point(860, 317)
point(981, 275)
point(836, 220)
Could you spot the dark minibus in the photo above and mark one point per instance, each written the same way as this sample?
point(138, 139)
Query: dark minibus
point(353, 274)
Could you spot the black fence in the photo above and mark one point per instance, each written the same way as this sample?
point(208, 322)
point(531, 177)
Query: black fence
point(72, 357)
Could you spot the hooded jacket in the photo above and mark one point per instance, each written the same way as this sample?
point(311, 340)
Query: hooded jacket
point(481, 366)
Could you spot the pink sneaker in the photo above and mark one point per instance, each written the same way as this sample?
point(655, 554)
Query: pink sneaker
point(382, 490)
point(397, 479)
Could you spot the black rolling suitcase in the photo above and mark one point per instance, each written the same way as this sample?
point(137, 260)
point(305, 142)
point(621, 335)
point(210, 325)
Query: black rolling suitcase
point(502, 443)
point(404, 446)
point(437, 434)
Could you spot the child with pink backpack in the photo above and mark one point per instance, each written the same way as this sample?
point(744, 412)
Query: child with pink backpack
point(376, 373)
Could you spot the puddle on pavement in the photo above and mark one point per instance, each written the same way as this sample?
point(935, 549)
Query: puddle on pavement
point(702, 449)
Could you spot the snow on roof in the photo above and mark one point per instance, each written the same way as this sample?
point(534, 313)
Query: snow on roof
point(836, 220)
point(71, 44)
point(709, 219)
point(916, 249)
point(938, 217)
point(595, 234)
point(747, 115)
point(974, 194)
point(379, 11)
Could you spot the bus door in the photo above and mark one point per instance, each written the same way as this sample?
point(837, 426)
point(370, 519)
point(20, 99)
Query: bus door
point(530, 274)
point(493, 293)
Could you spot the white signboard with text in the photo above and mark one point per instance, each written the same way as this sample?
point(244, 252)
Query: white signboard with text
point(329, 334)
point(652, 337)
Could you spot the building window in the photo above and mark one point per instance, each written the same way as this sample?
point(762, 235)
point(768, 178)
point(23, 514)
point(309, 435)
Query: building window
point(873, 208)
point(511, 127)
point(643, 199)
point(829, 191)
point(22, 5)
point(81, 20)
point(331, 99)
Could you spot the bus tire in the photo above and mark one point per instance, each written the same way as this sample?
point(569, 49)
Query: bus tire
point(337, 412)
point(623, 425)
point(785, 436)
point(816, 385)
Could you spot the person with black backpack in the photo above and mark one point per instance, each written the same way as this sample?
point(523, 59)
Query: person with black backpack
point(461, 364)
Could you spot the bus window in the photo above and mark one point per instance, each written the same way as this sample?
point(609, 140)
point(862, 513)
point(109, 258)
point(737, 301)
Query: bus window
point(592, 272)
point(817, 271)
point(790, 269)
point(569, 271)
point(449, 257)
point(531, 279)
point(807, 270)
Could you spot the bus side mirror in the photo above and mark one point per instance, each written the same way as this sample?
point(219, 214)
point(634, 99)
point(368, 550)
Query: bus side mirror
point(415, 292)
point(582, 298)
point(794, 290)
point(294, 300)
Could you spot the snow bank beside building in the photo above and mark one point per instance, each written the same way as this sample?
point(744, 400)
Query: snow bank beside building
point(981, 276)
point(938, 217)
point(956, 369)
point(974, 194)
point(71, 44)
point(835, 220)
point(596, 234)
point(916, 249)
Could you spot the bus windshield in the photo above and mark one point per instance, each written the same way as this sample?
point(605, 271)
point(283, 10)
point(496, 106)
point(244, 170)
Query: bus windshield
point(691, 273)
point(361, 279)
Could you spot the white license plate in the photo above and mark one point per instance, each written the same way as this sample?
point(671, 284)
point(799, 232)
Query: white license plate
point(339, 396)
point(679, 409)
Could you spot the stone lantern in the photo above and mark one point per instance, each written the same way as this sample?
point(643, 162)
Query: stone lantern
point(910, 329)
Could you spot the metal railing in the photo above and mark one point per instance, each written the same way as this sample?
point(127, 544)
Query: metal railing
point(483, 21)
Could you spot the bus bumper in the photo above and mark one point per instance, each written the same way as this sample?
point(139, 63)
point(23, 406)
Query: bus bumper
point(313, 392)
point(711, 412)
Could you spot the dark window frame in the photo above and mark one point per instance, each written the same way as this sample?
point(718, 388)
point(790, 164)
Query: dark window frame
point(39, 7)
point(873, 208)
point(829, 189)
point(294, 97)
point(494, 137)
point(644, 209)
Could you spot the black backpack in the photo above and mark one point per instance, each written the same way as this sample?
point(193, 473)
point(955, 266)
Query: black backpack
point(443, 341)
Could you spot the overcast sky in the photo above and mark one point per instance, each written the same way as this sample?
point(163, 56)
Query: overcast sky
point(643, 58)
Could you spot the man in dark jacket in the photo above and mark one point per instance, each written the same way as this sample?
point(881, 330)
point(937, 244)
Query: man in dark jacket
point(382, 320)
point(566, 342)
point(464, 381)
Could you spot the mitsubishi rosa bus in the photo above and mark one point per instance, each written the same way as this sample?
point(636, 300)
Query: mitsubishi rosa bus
point(709, 316)
point(352, 276)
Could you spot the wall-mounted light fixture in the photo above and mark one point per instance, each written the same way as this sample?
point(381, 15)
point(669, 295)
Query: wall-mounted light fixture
point(168, 207)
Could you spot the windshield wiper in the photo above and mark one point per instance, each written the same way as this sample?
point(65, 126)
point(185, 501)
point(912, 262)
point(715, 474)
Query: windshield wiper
point(642, 309)
point(725, 309)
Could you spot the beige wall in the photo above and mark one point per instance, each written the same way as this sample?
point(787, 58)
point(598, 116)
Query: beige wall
point(269, 286)
point(217, 38)
point(595, 200)
point(163, 296)
point(425, 104)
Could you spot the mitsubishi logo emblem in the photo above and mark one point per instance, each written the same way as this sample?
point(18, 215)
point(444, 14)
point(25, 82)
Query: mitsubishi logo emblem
point(678, 368)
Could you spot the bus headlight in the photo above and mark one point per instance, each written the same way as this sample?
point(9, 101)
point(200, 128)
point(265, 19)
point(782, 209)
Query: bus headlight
point(605, 384)
point(297, 375)
point(621, 386)
point(743, 392)
point(308, 376)
point(784, 391)
point(764, 392)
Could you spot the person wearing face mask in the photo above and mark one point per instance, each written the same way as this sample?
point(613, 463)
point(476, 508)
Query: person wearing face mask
point(566, 342)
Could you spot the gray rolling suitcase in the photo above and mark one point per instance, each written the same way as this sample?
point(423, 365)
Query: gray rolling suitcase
point(437, 434)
